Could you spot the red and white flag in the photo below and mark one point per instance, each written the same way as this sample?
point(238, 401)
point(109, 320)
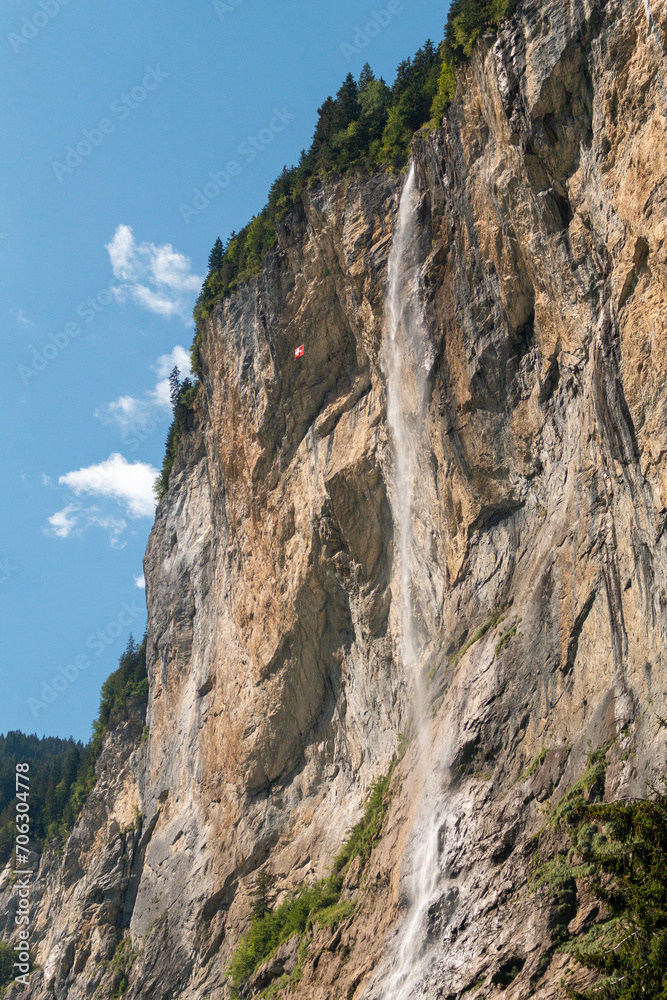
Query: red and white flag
point(299, 352)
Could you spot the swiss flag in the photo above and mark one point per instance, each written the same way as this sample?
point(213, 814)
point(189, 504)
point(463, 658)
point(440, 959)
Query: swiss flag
point(299, 352)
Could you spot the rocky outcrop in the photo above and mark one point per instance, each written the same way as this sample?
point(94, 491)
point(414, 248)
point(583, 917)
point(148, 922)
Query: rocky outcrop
point(276, 690)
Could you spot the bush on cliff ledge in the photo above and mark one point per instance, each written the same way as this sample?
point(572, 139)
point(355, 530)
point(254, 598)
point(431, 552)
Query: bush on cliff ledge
point(468, 19)
point(318, 902)
point(617, 856)
point(627, 874)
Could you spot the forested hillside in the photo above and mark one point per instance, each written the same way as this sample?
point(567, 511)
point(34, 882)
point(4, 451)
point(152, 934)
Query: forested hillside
point(62, 771)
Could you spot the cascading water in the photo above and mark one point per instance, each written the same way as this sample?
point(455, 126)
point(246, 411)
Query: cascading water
point(406, 356)
point(406, 378)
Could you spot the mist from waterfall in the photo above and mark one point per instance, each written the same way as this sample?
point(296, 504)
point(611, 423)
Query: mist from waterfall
point(405, 362)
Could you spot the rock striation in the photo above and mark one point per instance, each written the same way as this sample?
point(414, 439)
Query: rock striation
point(277, 694)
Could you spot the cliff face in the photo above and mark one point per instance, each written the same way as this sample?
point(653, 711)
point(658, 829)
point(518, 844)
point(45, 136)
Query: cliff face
point(277, 693)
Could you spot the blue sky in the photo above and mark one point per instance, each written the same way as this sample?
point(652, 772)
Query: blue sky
point(119, 113)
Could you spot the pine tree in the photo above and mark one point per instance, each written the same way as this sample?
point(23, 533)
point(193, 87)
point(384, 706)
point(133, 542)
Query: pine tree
point(324, 128)
point(262, 893)
point(347, 103)
point(365, 77)
point(629, 876)
point(174, 385)
point(281, 190)
point(216, 256)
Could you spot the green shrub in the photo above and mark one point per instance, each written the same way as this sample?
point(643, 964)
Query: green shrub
point(362, 837)
point(333, 915)
point(495, 619)
point(535, 765)
point(627, 873)
point(572, 807)
point(445, 92)
point(319, 902)
point(468, 19)
point(618, 852)
point(277, 926)
point(122, 988)
point(123, 959)
point(6, 966)
point(183, 398)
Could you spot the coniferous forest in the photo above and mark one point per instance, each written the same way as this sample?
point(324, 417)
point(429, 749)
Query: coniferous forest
point(62, 772)
point(367, 126)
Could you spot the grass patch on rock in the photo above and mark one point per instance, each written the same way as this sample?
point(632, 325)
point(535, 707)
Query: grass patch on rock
point(363, 836)
point(319, 902)
point(494, 620)
point(535, 765)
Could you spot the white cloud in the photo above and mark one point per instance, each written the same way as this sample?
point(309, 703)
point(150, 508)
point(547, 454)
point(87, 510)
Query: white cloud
point(130, 412)
point(158, 278)
point(75, 519)
point(164, 366)
point(130, 483)
point(140, 582)
point(178, 357)
point(62, 523)
point(46, 480)
point(114, 525)
point(126, 411)
point(157, 302)
point(20, 316)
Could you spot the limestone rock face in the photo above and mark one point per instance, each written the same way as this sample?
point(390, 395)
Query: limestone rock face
point(277, 693)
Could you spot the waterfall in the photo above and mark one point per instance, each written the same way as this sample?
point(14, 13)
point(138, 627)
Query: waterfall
point(405, 359)
point(406, 381)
